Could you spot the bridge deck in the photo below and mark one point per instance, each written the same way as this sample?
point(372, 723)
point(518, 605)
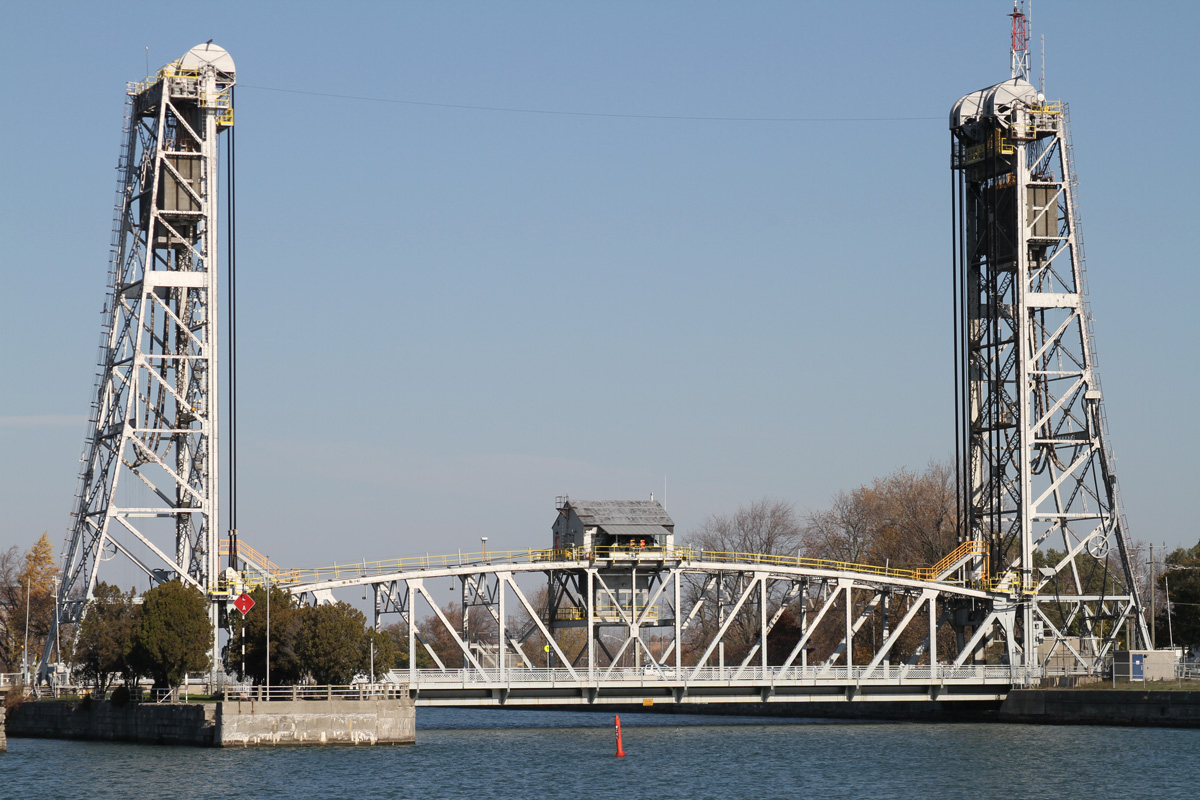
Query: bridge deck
point(648, 686)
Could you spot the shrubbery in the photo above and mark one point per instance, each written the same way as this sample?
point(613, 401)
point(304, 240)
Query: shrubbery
point(169, 635)
point(325, 644)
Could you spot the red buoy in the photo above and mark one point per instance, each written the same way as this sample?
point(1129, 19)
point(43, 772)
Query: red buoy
point(620, 749)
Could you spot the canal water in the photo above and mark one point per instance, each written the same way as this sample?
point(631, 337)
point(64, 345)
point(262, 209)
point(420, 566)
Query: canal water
point(543, 754)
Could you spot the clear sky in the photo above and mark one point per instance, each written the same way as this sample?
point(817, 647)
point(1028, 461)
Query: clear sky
point(450, 316)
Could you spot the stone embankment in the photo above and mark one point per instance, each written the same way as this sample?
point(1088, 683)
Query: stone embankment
point(227, 724)
point(3, 741)
point(1160, 708)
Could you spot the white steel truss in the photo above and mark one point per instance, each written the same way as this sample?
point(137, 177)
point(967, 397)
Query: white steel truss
point(1035, 464)
point(148, 486)
point(791, 633)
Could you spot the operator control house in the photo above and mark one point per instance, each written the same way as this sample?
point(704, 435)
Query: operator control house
point(591, 525)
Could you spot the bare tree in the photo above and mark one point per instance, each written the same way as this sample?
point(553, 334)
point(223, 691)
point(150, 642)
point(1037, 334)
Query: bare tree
point(768, 527)
point(12, 617)
point(919, 514)
point(906, 518)
point(764, 526)
point(846, 531)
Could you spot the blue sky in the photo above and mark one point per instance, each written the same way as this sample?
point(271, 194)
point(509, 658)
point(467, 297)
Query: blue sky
point(448, 316)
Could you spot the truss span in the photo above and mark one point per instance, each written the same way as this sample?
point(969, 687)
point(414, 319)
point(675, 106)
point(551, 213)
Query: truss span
point(675, 625)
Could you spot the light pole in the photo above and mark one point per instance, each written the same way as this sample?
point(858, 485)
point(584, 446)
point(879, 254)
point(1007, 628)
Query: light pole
point(25, 650)
point(268, 630)
point(483, 540)
point(1153, 590)
point(57, 641)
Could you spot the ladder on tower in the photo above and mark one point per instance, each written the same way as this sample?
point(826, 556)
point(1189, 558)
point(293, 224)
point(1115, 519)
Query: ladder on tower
point(114, 276)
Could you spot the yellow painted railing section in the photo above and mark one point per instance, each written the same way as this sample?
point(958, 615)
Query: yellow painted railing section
point(362, 569)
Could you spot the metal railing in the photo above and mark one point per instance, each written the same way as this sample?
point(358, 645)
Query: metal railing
point(354, 691)
point(1188, 670)
point(667, 673)
point(363, 569)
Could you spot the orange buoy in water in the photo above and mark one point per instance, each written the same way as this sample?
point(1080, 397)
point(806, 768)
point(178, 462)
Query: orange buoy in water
point(620, 749)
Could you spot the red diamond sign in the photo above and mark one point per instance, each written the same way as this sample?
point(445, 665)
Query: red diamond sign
point(243, 603)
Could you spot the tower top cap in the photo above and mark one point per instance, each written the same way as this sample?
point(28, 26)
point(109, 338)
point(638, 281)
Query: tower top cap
point(995, 101)
point(205, 54)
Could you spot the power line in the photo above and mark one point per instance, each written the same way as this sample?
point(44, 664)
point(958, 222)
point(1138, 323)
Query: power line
point(549, 112)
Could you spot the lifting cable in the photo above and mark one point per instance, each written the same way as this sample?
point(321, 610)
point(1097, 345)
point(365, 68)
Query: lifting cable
point(231, 261)
point(552, 112)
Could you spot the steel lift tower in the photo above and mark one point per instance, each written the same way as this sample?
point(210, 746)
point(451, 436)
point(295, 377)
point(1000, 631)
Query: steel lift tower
point(148, 487)
point(1036, 469)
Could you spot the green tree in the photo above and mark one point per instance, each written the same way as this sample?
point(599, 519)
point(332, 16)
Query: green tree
point(383, 656)
point(173, 634)
point(332, 644)
point(398, 633)
point(105, 642)
point(251, 631)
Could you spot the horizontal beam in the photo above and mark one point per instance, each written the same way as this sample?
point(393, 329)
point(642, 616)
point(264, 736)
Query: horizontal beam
point(774, 572)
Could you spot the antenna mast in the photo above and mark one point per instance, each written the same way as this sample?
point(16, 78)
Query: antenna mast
point(1019, 54)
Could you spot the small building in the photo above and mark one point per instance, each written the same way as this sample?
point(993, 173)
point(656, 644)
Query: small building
point(612, 524)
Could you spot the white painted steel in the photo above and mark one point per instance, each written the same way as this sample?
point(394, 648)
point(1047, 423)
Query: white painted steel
point(636, 653)
point(148, 487)
point(1036, 464)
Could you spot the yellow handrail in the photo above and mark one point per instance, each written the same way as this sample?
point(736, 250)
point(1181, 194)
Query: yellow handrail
point(969, 548)
point(1010, 583)
point(360, 569)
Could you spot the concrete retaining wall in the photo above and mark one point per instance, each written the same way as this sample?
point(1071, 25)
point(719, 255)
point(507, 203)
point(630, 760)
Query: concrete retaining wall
point(1101, 707)
point(317, 722)
point(228, 724)
point(144, 723)
point(3, 741)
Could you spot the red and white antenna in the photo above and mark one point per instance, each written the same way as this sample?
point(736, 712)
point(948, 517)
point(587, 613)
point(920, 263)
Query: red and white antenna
point(1020, 41)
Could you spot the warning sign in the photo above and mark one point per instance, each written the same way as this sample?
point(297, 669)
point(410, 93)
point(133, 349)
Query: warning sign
point(243, 603)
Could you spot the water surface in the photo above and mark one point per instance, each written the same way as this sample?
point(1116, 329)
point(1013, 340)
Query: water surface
point(534, 754)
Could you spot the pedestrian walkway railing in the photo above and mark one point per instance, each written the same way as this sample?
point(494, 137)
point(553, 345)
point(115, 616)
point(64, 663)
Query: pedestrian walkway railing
point(988, 673)
point(355, 691)
point(973, 552)
point(1188, 670)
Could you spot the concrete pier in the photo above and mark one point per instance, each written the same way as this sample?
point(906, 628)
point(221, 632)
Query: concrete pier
point(227, 724)
point(251, 723)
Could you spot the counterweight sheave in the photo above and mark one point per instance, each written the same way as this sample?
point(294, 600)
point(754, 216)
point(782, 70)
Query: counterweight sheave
point(148, 484)
point(1034, 462)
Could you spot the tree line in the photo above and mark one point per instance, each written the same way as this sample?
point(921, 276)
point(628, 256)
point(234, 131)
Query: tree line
point(322, 644)
point(168, 634)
